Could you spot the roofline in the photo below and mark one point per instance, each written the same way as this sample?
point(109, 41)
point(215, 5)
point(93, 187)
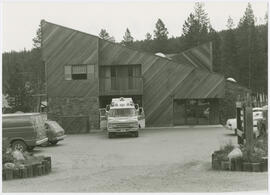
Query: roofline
point(119, 44)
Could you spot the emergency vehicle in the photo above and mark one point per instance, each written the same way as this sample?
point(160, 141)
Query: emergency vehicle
point(122, 116)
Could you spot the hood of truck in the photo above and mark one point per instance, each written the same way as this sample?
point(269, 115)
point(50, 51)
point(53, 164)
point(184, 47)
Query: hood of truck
point(122, 119)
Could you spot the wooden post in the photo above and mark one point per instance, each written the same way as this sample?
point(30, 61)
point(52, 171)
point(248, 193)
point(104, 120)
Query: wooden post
point(249, 125)
point(239, 121)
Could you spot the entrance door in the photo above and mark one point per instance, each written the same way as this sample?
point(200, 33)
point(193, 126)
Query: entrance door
point(179, 113)
point(191, 114)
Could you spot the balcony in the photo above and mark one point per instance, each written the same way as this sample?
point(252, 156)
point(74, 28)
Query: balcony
point(121, 86)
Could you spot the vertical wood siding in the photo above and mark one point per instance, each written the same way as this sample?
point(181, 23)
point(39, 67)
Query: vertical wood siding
point(62, 46)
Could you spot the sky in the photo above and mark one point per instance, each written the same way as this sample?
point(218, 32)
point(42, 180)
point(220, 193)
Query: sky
point(20, 19)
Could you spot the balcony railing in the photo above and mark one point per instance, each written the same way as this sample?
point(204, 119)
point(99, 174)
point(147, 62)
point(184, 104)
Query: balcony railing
point(121, 86)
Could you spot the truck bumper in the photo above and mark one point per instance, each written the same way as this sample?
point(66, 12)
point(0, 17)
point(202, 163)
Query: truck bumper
point(58, 138)
point(41, 141)
point(123, 130)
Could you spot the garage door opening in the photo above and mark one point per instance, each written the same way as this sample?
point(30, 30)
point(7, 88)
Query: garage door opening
point(195, 112)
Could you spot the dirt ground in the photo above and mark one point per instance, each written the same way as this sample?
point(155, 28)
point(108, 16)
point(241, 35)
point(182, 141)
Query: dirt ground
point(159, 160)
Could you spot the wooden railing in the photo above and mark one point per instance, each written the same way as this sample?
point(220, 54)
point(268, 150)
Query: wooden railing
point(121, 86)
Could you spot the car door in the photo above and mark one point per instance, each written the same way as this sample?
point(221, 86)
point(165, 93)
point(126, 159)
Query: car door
point(141, 118)
point(103, 118)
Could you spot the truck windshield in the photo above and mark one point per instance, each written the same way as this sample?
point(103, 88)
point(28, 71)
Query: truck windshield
point(123, 112)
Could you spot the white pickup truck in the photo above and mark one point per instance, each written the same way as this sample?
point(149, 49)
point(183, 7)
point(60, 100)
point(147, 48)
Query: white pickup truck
point(122, 116)
point(257, 115)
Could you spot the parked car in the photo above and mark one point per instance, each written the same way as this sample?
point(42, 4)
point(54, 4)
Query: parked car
point(23, 131)
point(257, 115)
point(262, 123)
point(231, 124)
point(55, 132)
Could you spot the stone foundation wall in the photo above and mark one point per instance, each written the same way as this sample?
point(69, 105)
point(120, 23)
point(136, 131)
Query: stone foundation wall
point(75, 114)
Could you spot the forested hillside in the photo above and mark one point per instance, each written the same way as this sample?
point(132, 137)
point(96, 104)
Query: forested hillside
point(239, 52)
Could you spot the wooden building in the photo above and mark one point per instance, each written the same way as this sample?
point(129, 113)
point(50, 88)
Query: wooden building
point(83, 73)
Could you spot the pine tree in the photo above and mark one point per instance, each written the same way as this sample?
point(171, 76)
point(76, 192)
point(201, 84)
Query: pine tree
point(127, 38)
point(37, 39)
point(148, 36)
point(161, 32)
point(247, 47)
point(229, 50)
point(196, 27)
point(105, 35)
point(230, 24)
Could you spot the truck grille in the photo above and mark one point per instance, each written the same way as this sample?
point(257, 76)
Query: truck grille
point(123, 125)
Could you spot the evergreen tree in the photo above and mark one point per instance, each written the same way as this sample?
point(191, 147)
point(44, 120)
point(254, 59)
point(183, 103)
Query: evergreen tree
point(247, 47)
point(229, 50)
point(196, 27)
point(127, 38)
point(161, 32)
point(215, 39)
point(230, 24)
point(105, 35)
point(148, 36)
point(37, 39)
point(160, 41)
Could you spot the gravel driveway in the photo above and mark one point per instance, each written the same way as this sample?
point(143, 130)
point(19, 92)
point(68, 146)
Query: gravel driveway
point(160, 160)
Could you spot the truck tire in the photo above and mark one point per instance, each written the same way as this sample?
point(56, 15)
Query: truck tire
point(136, 134)
point(53, 142)
point(30, 148)
point(110, 135)
point(19, 145)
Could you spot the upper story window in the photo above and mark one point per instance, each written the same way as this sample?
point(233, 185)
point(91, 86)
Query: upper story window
point(79, 72)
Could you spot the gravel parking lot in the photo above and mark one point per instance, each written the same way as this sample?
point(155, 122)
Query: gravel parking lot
point(160, 160)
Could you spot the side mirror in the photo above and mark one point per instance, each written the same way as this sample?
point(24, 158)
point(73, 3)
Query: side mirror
point(136, 106)
point(107, 108)
point(141, 112)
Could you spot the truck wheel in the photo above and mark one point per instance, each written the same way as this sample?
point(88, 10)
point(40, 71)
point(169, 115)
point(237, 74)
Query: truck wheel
point(53, 142)
point(30, 148)
point(110, 135)
point(136, 134)
point(19, 145)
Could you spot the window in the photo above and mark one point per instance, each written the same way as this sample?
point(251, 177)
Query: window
point(123, 112)
point(79, 72)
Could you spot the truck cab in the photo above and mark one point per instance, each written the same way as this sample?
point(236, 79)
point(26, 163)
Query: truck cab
point(121, 117)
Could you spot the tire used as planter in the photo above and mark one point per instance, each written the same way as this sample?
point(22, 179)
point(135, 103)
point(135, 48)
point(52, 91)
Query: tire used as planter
point(49, 160)
point(238, 164)
point(256, 167)
point(225, 165)
point(23, 172)
point(9, 174)
point(216, 164)
point(264, 164)
point(247, 166)
point(40, 166)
